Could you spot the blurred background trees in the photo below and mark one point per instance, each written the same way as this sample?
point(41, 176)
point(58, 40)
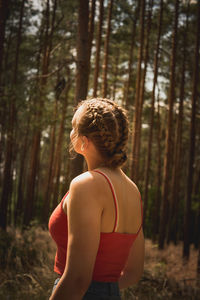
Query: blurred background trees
point(145, 56)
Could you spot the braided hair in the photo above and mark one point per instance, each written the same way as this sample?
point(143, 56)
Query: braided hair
point(106, 124)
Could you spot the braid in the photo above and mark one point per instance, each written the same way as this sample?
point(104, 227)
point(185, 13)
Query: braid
point(120, 148)
point(106, 124)
point(105, 128)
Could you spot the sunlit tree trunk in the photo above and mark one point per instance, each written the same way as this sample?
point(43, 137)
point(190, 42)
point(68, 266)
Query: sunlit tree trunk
point(134, 166)
point(187, 214)
point(126, 99)
point(7, 180)
point(116, 71)
point(106, 50)
point(91, 30)
point(82, 74)
point(168, 141)
point(98, 48)
point(151, 123)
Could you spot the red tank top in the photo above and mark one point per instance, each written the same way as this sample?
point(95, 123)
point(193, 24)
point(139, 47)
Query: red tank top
point(113, 248)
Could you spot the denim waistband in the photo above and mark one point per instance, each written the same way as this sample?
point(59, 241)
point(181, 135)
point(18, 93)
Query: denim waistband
point(99, 290)
point(107, 288)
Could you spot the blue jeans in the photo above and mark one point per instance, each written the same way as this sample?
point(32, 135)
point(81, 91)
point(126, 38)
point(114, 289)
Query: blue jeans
point(100, 291)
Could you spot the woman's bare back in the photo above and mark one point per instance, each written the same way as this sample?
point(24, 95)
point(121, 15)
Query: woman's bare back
point(128, 199)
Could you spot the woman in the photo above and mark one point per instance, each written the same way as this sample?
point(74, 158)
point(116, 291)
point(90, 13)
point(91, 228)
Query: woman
point(98, 224)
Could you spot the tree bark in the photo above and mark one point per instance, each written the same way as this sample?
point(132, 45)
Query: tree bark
point(4, 6)
point(58, 151)
point(156, 209)
point(168, 141)
point(106, 51)
point(142, 86)
point(176, 174)
point(35, 152)
point(130, 62)
point(49, 180)
point(98, 48)
point(116, 71)
point(91, 31)
point(134, 165)
point(151, 123)
point(7, 181)
point(82, 72)
point(188, 200)
point(20, 192)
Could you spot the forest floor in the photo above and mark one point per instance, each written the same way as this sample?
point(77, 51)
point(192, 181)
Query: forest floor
point(26, 272)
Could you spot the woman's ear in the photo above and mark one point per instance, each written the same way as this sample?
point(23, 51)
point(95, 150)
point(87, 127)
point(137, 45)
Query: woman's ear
point(85, 143)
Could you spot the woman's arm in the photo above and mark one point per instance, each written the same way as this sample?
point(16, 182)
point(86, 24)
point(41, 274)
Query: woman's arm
point(84, 221)
point(135, 264)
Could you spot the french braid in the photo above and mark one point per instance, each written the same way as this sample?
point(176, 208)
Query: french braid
point(106, 124)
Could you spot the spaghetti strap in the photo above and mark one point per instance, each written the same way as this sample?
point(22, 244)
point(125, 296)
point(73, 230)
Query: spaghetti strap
point(114, 197)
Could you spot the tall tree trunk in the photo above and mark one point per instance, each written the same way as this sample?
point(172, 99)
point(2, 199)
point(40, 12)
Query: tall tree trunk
point(47, 193)
point(187, 214)
point(58, 150)
point(126, 99)
point(176, 174)
point(7, 181)
point(156, 209)
point(106, 50)
point(151, 123)
point(116, 71)
point(168, 141)
point(91, 30)
point(20, 193)
point(98, 48)
point(82, 72)
point(134, 165)
point(4, 6)
point(35, 149)
point(142, 85)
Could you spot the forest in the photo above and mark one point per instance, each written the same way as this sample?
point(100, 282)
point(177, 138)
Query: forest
point(143, 54)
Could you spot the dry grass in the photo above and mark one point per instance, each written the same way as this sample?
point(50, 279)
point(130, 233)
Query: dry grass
point(27, 270)
point(170, 262)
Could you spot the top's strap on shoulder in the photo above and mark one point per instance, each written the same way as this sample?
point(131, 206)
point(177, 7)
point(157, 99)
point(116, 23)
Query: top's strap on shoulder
point(114, 197)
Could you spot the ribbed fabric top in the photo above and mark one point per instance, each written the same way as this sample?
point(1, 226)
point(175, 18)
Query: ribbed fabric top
point(113, 248)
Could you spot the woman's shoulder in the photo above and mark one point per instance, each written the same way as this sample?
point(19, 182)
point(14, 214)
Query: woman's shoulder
point(133, 186)
point(85, 178)
point(85, 182)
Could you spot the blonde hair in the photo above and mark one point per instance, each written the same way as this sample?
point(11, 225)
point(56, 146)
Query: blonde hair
point(106, 124)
